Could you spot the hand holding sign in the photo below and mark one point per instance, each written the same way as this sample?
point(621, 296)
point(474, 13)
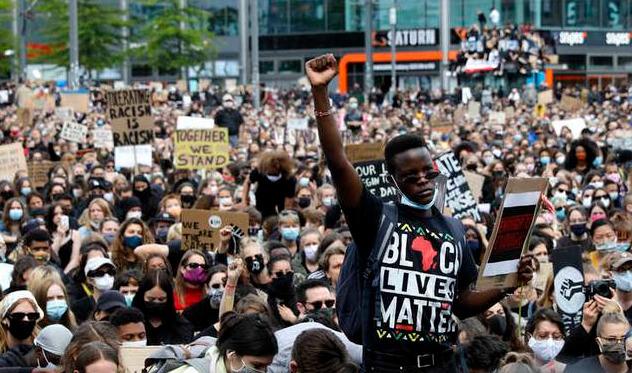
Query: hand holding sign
point(526, 268)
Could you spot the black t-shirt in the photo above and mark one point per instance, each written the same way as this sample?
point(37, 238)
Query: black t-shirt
point(423, 269)
point(271, 195)
point(231, 119)
point(587, 365)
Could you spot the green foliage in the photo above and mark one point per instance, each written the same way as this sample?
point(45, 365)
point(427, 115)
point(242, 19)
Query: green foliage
point(164, 44)
point(100, 36)
point(7, 39)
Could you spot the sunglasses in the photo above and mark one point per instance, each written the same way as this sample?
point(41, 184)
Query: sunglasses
point(111, 272)
point(281, 273)
point(319, 304)
point(17, 316)
point(197, 265)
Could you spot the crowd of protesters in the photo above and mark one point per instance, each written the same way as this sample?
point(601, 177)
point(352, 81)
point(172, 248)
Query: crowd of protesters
point(98, 264)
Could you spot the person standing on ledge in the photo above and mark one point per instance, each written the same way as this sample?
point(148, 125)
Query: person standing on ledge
point(424, 275)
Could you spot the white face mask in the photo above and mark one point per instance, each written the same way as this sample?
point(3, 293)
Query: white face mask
point(104, 282)
point(311, 252)
point(225, 201)
point(134, 214)
point(141, 343)
point(108, 196)
point(546, 349)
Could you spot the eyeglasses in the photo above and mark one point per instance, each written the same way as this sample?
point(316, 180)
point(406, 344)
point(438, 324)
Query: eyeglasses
point(330, 303)
point(101, 273)
point(197, 265)
point(620, 340)
point(288, 212)
point(17, 316)
point(281, 273)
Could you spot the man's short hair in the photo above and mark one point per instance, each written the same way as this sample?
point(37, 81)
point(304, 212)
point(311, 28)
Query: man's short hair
point(301, 290)
point(334, 249)
point(39, 235)
point(485, 352)
point(401, 144)
point(124, 316)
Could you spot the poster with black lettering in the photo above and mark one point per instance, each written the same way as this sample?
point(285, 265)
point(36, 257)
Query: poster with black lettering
point(510, 237)
point(130, 113)
point(458, 196)
point(375, 178)
point(418, 283)
point(200, 228)
point(569, 284)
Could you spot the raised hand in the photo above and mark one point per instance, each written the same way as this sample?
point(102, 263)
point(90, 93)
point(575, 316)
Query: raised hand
point(321, 70)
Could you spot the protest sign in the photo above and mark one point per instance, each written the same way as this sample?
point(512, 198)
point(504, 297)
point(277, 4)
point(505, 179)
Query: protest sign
point(133, 358)
point(440, 124)
point(474, 109)
point(458, 196)
point(194, 123)
point(130, 156)
point(12, 160)
point(375, 178)
point(297, 124)
point(364, 152)
point(576, 126)
point(130, 113)
point(201, 149)
point(510, 237)
point(620, 139)
point(539, 110)
point(38, 172)
point(102, 138)
point(568, 284)
point(571, 104)
point(74, 132)
point(545, 97)
point(65, 113)
point(25, 116)
point(475, 181)
point(497, 117)
point(79, 102)
point(509, 112)
point(200, 228)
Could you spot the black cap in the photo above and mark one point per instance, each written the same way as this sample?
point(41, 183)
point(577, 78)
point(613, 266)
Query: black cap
point(162, 217)
point(110, 300)
point(98, 183)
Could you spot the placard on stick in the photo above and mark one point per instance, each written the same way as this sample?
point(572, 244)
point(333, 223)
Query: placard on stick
point(299, 124)
point(102, 138)
point(12, 160)
point(74, 132)
point(512, 230)
point(458, 196)
point(79, 102)
point(368, 161)
point(203, 149)
point(130, 113)
point(38, 172)
point(545, 97)
point(364, 152)
point(200, 228)
point(569, 284)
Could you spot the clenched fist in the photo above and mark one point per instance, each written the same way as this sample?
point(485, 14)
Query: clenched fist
point(321, 70)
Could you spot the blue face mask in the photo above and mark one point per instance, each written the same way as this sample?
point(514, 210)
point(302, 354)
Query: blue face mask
point(109, 237)
point(55, 309)
point(25, 191)
point(598, 161)
point(560, 214)
point(623, 281)
point(408, 202)
point(303, 182)
point(545, 160)
point(15, 215)
point(132, 241)
point(290, 234)
point(473, 245)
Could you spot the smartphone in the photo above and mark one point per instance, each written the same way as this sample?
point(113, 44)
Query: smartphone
point(64, 222)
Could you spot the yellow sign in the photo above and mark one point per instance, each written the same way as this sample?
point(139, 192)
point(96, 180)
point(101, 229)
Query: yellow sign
point(200, 149)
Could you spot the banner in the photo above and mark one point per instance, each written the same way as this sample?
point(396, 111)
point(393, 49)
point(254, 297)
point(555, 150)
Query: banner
point(545, 97)
point(66, 114)
point(38, 172)
point(571, 104)
point(130, 156)
point(569, 284)
point(74, 132)
point(576, 126)
point(102, 138)
point(201, 149)
point(12, 160)
point(200, 228)
point(375, 178)
point(194, 123)
point(299, 124)
point(497, 117)
point(458, 197)
point(79, 102)
point(130, 113)
point(512, 230)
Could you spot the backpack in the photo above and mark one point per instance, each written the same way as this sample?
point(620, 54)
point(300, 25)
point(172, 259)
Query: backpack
point(353, 292)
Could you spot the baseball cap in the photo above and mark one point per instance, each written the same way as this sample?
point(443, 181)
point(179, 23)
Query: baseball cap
point(96, 263)
point(110, 300)
point(624, 258)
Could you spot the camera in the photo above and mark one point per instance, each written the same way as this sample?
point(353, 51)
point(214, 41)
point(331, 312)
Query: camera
point(599, 287)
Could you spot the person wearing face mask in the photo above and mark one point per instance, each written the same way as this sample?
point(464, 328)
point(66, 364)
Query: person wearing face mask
point(130, 324)
point(276, 185)
point(19, 313)
point(289, 230)
point(545, 337)
point(108, 229)
point(49, 290)
point(499, 321)
point(604, 239)
point(160, 226)
point(576, 229)
point(50, 345)
point(187, 195)
point(205, 313)
point(14, 215)
point(132, 234)
point(191, 278)
point(171, 204)
point(281, 293)
point(129, 207)
point(155, 300)
point(622, 276)
point(100, 274)
point(612, 329)
point(109, 302)
point(66, 241)
point(327, 197)
point(148, 197)
point(306, 262)
point(255, 260)
point(229, 117)
point(91, 218)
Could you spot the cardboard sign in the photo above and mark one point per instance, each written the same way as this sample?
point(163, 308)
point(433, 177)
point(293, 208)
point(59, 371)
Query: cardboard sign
point(571, 104)
point(130, 113)
point(364, 152)
point(509, 112)
point(130, 156)
point(512, 230)
point(65, 113)
point(375, 178)
point(133, 358)
point(200, 228)
point(12, 160)
point(497, 117)
point(475, 181)
point(79, 102)
point(474, 109)
point(25, 117)
point(194, 123)
point(576, 126)
point(38, 172)
point(569, 284)
point(297, 124)
point(102, 138)
point(458, 196)
point(545, 97)
point(539, 110)
point(74, 132)
point(201, 149)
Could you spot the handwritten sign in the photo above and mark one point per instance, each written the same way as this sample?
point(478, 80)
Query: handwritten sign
point(79, 102)
point(201, 149)
point(497, 117)
point(102, 138)
point(375, 178)
point(474, 109)
point(364, 152)
point(458, 196)
point(130, 113)
point(74, 132)
point(200, 228)
point(571, 104)
point(510, 237)
point(12, 160)
point(545, 97)
point(299, 124)
point(65, 113)
point(130, 156)
point(38, 172)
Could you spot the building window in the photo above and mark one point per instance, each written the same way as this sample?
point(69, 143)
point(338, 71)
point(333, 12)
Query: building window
point(601, 61)
point(625, 62)
point(290, 67)
point(141, 70)
point(266, 67)
point(224, 21)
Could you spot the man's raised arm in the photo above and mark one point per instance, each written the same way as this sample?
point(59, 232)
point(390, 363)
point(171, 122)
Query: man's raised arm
point(320, 71)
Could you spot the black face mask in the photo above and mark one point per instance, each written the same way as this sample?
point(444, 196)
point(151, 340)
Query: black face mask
point(6, 195)
point(155, 309)
point(304, 202)
point(187, 201)
point(282, 285)
point(613, 352)
point(255, 264)
point(143, 195)
point(497, 325)
point(21, 329)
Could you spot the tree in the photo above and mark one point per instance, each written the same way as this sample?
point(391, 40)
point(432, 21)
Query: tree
point(100, 33)
point(7, 39)
point(164, 44)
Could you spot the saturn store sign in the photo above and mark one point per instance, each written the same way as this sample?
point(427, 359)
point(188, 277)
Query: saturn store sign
point(407, 38)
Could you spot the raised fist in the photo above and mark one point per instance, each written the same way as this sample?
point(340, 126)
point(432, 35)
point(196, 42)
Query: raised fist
point(321, 70)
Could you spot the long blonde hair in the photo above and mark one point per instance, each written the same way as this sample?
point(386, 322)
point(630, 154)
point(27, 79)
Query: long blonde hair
point(3, 332)
point(84, 219)
point(41, 279)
